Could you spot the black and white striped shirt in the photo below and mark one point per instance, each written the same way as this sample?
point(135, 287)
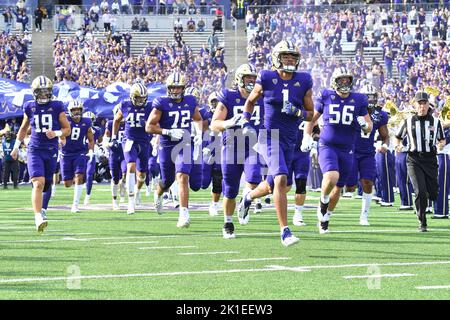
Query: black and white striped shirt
point(422, 132)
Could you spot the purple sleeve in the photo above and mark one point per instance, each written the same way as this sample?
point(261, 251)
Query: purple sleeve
point(26, 109)
point(222, 97)
point(259, 78)
point(384, 119)
point(157, 104)
point(364, 104)
point(318, 104)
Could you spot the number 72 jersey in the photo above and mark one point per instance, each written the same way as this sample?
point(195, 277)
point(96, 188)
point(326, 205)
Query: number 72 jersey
point(340, 125)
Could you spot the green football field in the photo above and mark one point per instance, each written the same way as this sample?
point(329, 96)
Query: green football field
point(103, 254)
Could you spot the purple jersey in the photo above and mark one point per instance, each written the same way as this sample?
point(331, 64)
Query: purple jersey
point(120, 132)
point(276, 92)
point(364, 142)
point(97, 131)
point(135, 118)
point(76, 141)
point(234, 102)
point(43, 117)
point(175, 115)
point(340, 125)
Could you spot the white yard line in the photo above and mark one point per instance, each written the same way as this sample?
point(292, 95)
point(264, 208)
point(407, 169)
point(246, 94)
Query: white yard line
point(207, 253)
point(204, 272)
point(433, 287)
point(129, 242)
point(259, 259)
point(168, 247)
point(387, 275)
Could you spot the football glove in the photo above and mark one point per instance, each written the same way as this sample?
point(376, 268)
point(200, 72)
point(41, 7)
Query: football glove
point(291, 110)
point(237, 118)
point(307, 143)
point(175, 134)
point(362, 122)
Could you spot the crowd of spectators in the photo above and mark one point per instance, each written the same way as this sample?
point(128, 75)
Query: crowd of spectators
point(13, 55)
point(98, 63)
point(411, 42)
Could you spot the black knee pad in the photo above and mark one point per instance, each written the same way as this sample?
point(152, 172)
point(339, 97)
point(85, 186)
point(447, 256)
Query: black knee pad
point(300, 185)
point(47, 185)
point(164, 185)
point(217, 181)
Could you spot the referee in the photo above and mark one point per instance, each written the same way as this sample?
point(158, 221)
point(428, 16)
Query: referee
point(423, 131)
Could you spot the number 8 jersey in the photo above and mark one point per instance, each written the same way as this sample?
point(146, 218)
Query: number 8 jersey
point(340, 125)
point(43, 117)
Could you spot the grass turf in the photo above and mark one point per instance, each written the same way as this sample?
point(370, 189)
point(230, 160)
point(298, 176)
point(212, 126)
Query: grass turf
point(103, 248)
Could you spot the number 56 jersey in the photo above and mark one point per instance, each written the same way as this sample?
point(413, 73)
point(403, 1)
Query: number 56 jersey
point(340, 125)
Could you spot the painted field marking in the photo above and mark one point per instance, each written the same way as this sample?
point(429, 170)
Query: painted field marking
point(86, 239)
point(259, 259)
point(129, 242)
point(203, 272)
point(387, 275)
point(207, 253)
point(433, 287)
point(167, 247)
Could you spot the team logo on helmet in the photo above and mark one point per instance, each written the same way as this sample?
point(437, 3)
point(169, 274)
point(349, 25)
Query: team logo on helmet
point(339, 82)
point(245, 70)
point(285, 47)
point(138, 94)
point(42, 88)
point(89, 115)
point(193, 92)
point(175, 81)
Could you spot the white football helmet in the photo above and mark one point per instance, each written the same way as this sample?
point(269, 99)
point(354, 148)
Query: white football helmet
point(284, 47)
point(193, 92)
point(372, 94)
point(213, 101)
point(175, 80)
point(138, 94)
point(89, 115)
point(337, 85)
point(42, 88)
point(75, 109)
point(245, 70)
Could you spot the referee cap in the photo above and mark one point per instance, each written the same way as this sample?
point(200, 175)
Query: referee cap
point(421, 96)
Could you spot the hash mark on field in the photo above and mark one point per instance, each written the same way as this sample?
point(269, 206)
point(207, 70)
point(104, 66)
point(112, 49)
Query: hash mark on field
point(387, 275)
point(433, 287)
point(259, 259)
point(206, 253)
point(174, 247)
point(130, 242)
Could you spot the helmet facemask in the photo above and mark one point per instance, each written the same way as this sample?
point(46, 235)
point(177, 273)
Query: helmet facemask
point(139, 101)
point(178, 94)
point(76, 113)
point(288, 61)
point(43, 95)
point(344, 84)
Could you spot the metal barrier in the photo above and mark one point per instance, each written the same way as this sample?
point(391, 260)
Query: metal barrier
point(15, 26)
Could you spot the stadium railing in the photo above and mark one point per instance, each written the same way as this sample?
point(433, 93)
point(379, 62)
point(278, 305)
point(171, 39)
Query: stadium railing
point(16, 27)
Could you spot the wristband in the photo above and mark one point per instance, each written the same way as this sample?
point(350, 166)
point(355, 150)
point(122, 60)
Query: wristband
point(58, 133)
point(17, 144)
point(113, 137)
point(247, 115)
point(165, 132)
point(384, 145)
point(299, 113)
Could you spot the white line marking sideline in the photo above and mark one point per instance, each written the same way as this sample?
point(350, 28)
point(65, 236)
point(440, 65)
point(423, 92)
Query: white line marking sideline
point(433, 287)
point(173, 247)
point(129, 242)
point(259, 259)
point(387, 275)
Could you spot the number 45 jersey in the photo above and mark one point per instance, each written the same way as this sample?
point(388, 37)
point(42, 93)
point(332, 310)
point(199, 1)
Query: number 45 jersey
point(135, 118)
point(340, 125)
point(43, 117)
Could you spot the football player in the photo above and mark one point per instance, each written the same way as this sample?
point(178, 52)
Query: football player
point(74, 148)
point(136, 142)
point(171, 118)
point(364, 152)
point(344, 116)
point(97, 131)
point(117, 164)
point(48, 121)
point(287, 97)
point(237, 154)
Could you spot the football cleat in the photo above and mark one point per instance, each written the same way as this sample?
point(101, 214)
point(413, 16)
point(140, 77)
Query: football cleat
point(74, 209)
point(386, 204)
point(40, 220)
point(267, 199)
point(347, 195)
point(116, 205)
point(213, 210)
point(287, 238)
point(183, 221)
point(243, 209)
point(158, 203)
point(429, 210)
point(138, 198)
point(298, 220)
point(404, 208)
point(323, 227)
point(228, 231)
point(87, 199)
point(258, 208)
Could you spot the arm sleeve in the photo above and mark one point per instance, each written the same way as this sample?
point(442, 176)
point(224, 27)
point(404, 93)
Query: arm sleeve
point(318, 103)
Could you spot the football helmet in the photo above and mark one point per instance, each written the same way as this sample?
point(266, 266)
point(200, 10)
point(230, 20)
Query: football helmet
point(138, 94)
point(340, 85)
point(284, 47)
point(175, 80)
point(89, 115)
point(42, 88)
point(193, 92)
point(213, 101)
point(73, 106)
point(245, 70)
point(372, 94)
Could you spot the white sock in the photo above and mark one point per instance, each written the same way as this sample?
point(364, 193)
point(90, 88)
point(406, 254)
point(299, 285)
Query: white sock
point(174, 189)
point(77, 193)
point(216, 205)
point(131, 182)
point(298, 209)
point(366, 198)
point(228, 219)
point(136, 189)
point(53, 188)
point(114, 189)
point(184, 211)
point(324, 198)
